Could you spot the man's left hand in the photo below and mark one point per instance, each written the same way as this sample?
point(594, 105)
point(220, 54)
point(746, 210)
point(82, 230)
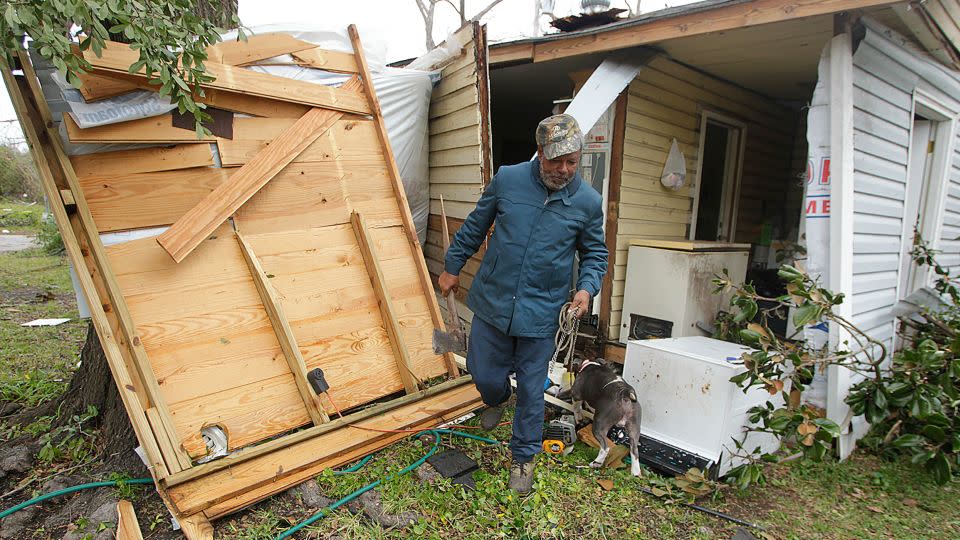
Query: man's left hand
point(580, 303)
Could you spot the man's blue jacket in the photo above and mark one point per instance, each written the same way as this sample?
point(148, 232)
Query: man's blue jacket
point(524, 278)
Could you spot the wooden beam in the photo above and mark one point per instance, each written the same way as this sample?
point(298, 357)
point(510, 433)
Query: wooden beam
point(67, 197)
point(39, 140)
point(281, 326)
point(613, 210)
point(255, 48)
point(127, 526)
point(318, 58)
point(372, 261)
point(409, 228)
point(187, 233)
point(317, 452)
point(692, 23)
point(511, 52)
point(118, 57)
point(128, 331)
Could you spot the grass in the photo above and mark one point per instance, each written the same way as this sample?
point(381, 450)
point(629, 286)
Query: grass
point(36, 362)
point(20, 217)
point(864, 497)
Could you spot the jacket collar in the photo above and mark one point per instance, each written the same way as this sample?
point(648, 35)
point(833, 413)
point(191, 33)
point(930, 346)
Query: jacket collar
point(564, 194)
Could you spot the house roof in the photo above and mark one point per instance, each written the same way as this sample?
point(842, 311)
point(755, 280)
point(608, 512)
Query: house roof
point(769, 46)
point(937, 20)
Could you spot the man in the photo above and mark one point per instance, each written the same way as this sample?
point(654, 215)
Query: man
point(544, 213)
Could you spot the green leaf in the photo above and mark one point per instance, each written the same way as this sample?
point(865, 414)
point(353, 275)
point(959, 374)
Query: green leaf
point(828, 426)
point(910, 440)
point(805, 314)
point(934, 433)
point(940, 468)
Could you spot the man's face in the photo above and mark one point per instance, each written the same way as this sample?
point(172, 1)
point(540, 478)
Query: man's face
point(557, 172)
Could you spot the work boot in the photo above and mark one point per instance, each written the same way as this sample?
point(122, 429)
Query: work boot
point(490, 417)
point(521, 477)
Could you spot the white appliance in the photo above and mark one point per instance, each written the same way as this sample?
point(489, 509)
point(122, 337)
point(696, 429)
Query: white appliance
point(688, 401)
point(669, 286)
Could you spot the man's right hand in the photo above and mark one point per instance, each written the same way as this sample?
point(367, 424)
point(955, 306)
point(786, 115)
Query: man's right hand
point(448, 282)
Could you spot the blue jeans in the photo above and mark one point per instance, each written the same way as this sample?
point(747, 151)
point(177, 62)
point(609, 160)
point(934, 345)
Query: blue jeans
point(491, 357)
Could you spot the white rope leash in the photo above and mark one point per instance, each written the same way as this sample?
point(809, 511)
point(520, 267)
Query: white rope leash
point(566, 336)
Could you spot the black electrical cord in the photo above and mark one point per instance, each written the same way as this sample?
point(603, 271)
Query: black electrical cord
point(710, 512)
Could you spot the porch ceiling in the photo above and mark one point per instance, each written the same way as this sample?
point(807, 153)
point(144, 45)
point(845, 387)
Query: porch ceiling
point(778, 60)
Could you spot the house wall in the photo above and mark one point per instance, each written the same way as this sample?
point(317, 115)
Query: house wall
point(885, 78)
point(666, 101)
point(459, 161)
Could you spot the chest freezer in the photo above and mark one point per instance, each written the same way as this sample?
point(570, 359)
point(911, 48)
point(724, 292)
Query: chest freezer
point(669, 288)
point(683, 385)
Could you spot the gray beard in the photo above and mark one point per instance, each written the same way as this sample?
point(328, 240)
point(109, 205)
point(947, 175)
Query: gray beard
point(554, 183)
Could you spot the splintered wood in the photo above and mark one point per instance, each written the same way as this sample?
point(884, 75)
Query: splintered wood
point(290, 247)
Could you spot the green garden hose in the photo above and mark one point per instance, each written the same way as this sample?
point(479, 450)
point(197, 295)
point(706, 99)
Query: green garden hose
point(64, 491)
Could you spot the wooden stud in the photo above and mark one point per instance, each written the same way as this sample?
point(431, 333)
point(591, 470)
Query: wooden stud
point(156, 129)
point(67, 197)
point(131, 400)
point(255, 48)
point(127, 327)
point(288, 342)
point(409, 228)
point(118, 57)
point(127, 526)
point(372, 262)
point(187, 233)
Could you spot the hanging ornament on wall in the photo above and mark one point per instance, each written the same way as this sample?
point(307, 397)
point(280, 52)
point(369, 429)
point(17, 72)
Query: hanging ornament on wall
point(675, 169)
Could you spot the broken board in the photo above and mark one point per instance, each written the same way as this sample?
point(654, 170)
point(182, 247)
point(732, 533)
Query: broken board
point(314, 263)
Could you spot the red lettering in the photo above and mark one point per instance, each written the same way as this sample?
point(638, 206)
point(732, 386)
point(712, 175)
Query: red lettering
point(825, 171)
point(812, 207)
point(826, 207)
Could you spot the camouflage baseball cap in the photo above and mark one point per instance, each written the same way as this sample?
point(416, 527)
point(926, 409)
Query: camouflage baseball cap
point(558, 135)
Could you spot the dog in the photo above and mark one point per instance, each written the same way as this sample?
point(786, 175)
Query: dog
point(614, 403)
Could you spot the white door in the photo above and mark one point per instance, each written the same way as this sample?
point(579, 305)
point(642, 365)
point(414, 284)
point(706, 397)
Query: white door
point(917, 207)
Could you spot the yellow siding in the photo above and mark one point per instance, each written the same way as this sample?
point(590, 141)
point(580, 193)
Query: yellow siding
point(665, 102)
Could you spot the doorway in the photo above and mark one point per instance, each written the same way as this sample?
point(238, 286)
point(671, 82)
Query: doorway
point(718, 178)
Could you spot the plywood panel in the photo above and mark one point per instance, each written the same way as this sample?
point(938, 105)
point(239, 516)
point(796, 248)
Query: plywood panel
point(349, 139)
point(148, 199)
point(217, 372)
point(126, 162)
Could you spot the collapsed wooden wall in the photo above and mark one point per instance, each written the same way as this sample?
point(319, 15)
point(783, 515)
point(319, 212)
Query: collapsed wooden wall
point(297, 251)
point(460, 162)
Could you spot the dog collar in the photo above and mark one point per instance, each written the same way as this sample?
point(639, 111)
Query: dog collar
point(618, 379)
point(587, 363)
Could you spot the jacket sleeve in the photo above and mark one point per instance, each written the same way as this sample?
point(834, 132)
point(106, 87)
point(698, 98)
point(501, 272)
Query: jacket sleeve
point(593, 254)
point(474, 229)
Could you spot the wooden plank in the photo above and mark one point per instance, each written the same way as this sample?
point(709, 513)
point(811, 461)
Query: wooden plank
point(153, 130)
point(401, 195)
point(288, 342)
point(461, 99)
point(196, 527)
point(148, 199)
point(118, 57)
point(372, 445)
point(511, 52)
point(341, 62)
point(348, 140)
point(187, 233)
point(32, 122)
point(128, 331)
point(298, 454)
point(372, 261)
point(96, 87)
point(718, 19)
point(255, 48)
point(107, 164)
point(127, 526)
point(67, 196)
